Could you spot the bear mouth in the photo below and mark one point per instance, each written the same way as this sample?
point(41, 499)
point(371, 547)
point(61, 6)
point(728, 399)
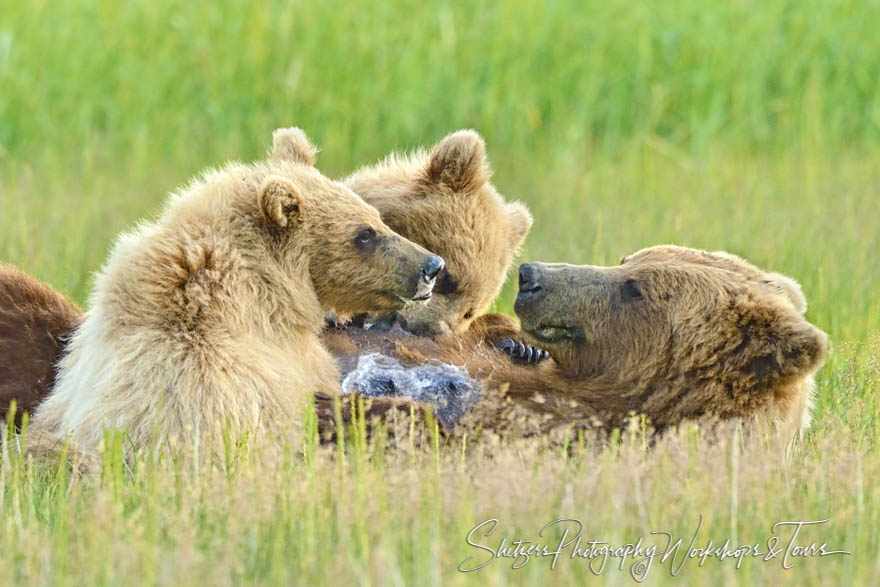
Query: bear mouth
point(528, 293)
point(421, 297)
point(554, 333)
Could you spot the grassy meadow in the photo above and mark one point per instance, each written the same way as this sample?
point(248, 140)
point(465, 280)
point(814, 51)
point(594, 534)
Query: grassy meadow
point(749, 126)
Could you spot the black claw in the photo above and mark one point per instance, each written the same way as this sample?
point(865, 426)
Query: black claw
point(521, 352)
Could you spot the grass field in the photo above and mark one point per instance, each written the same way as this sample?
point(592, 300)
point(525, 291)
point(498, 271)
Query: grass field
point(744, 125)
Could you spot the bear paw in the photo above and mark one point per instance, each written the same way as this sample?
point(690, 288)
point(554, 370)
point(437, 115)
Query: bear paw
point(521, 352)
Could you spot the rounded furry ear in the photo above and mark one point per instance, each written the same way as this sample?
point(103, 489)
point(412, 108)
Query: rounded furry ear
point(798, 351)
point(791, 289)
point(776, 344)
point(459, 162)
point(279, 201)
point(292, 144)
point(520, 223)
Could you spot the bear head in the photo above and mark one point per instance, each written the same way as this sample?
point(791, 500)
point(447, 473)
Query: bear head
point(683, 331)
point(443, 199)
point(356, 263)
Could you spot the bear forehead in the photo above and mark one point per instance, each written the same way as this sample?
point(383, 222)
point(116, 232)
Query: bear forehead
point(694, 281)
point(342, 206)
point(236, 186)
point(330, 199)
point(672, 253)
point(673, 260)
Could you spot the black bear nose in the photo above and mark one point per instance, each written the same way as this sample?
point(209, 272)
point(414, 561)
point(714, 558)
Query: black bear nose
point(431, 267)
point(529, 276)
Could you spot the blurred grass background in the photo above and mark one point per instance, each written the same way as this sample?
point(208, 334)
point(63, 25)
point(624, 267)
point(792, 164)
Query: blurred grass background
point(751, 126)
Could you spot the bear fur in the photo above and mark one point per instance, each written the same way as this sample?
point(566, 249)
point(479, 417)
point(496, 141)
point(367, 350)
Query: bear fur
point(34, 318)
point(206, 320)
point(672, 333)
point(729, 340)
point(443, 199)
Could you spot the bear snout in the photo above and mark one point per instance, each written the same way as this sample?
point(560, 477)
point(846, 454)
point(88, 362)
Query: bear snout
point(431, 267)
point(424, 282)
point(530, 279)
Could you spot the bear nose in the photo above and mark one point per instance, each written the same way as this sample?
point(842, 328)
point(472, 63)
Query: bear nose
point(529, 277)
point(431, 267)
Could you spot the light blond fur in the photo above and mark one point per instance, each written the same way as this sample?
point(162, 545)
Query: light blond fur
point(444, 200)
point(205, 320)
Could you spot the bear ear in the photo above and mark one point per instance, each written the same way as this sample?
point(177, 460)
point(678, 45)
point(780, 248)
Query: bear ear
point(778, 345)
point(520, 223)
point(279, 201)
point(790, 288)
point(459, 162)
point(292, 144)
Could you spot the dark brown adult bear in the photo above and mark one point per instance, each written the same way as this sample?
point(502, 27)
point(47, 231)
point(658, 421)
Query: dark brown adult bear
point(675, 334)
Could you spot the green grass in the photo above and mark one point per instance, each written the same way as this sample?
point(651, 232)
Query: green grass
point(747, 126)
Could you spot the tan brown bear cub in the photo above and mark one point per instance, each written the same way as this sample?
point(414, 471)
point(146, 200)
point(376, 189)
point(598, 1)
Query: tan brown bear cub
point(33, 318)
point(444, 201)
point(207, 319)
point(672, 333)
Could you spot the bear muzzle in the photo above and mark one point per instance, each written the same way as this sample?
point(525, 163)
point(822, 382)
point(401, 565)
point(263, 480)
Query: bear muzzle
point(428, 272)
point(545, 314)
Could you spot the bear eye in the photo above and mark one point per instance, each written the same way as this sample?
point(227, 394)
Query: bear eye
point(630, 291)
point(445, 283)
point(469, 314)
point(365, 239)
